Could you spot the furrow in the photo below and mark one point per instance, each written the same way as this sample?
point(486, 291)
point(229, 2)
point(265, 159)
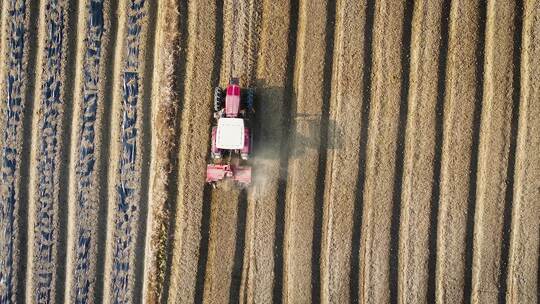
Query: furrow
point(420, 152)
point(459, 154)
point(271, 79)
point(50, 148)
point(126, 183)
point(13, 109)
point(343, 145)
point(84, 196)
point(378, 276)
point(165, 109)
point(189, 252)
point(523, 263)
point(494, 151)
point(303, 214)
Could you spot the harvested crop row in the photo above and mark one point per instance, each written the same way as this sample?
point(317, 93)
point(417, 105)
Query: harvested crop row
point(344, 141)
point(86, 177)
point(264, 224)
point(422, 146)
point(306, 164)
point(192, 212)
point(46, 231)
point(459, 152)
point(126, 186)
point(523, 262)
point(165, 119)
point(15, 18)
point(496, 153)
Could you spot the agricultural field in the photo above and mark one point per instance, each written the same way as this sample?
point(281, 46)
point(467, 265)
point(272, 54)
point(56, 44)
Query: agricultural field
point(396, 154)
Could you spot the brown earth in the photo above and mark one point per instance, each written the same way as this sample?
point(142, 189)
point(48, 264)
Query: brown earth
point(397, 155)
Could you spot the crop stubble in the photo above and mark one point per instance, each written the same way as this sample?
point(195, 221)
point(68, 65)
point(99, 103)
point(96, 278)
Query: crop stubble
point(14, 50)
point(165, 118)
point(377, 177)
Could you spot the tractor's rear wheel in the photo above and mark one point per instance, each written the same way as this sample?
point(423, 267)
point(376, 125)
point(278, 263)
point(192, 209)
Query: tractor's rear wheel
point(250, 99)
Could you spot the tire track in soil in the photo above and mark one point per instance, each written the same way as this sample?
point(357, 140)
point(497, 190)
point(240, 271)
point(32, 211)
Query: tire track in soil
point(50, 149)
point(459, 154)
point(420, 152)
point(523, 262)
point(258, 274)
point(389, 85)
point(127, 199)
point(15, 18)
point(303, 206)
point(228, 212)
point(169, 57)
point(346, 104)
point(494, 151)
point(202, 70)
point(86, 202)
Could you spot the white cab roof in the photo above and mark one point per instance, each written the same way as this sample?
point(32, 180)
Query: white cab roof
point(230, 133)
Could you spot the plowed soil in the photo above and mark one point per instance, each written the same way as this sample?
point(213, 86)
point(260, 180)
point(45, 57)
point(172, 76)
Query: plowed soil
point(396, 156)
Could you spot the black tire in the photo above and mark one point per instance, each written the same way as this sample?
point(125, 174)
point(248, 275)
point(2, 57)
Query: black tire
point(250, 100)
point(218, 99)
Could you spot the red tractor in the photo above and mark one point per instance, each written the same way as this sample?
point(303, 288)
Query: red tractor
point(231, 135)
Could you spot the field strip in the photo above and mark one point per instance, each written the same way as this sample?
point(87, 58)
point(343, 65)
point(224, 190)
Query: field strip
point(165, 111)
point(459, 153)
point(344, 137)
point(85, 200)
point(14, 21)
point(264, 197)
point(495, 153)
point(46, 232)
point(126, 200)
point(383, 156)
point(523, 263)
point(423, 125)
point(226, 243)
point(201, 73)
point(303, 206)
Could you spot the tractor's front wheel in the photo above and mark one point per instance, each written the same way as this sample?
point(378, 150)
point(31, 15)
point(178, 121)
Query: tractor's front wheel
point(218, 99)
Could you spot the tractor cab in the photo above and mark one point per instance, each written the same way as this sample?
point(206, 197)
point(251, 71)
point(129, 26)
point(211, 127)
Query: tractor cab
point(230, 133)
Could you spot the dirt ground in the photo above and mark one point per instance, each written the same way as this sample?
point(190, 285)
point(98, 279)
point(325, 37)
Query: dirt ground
point(396, 155)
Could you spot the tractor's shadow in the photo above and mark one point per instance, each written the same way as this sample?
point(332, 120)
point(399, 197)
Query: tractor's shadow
point(279, 128)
